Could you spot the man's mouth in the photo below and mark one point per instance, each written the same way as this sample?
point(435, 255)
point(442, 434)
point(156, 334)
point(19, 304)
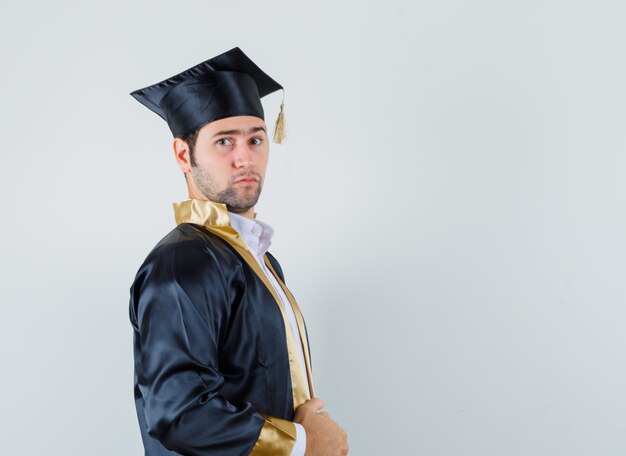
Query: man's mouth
point(247, 179)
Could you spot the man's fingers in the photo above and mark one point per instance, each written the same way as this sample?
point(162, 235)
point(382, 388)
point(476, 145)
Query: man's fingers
point(316, 403)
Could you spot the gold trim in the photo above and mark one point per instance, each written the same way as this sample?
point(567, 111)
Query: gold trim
point(214, 217)
point(201, 212)
point(301, 328)
point(277, 438)
point(298, 382)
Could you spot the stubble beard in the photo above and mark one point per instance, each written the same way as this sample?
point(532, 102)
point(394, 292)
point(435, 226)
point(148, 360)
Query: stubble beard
point(236, 200)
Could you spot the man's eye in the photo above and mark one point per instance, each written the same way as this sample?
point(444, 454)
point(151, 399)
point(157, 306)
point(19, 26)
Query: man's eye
point(256, 141)
point(223, 142)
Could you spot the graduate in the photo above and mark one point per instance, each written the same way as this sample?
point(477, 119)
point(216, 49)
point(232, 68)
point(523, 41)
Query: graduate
point(222, 362)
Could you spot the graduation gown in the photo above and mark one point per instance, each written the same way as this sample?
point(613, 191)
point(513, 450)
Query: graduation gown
point(216, 367)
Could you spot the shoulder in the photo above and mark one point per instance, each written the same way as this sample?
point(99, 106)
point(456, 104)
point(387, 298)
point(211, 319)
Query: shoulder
point(188, 255)
point(190, 262)
point(190, 246)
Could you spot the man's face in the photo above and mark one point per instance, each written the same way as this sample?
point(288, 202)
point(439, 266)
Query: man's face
point(230, 159)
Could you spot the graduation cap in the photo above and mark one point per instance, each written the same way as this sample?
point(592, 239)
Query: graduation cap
point(225, 86)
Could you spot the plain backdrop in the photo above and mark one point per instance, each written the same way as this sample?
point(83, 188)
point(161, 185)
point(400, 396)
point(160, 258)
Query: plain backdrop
point(449, 212)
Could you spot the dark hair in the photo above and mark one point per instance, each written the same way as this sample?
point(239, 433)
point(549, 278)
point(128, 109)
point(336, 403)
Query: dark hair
point(190, 139)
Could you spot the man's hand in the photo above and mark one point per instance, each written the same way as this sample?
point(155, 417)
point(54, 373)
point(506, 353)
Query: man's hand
point(323, 436)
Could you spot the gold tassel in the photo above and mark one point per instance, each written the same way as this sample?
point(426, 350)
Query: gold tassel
point(280, 129)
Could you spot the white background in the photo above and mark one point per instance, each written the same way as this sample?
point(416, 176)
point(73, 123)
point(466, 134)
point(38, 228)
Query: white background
point(449, 210)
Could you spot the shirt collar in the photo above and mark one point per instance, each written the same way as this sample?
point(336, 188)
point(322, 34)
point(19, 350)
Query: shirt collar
point(256, 234)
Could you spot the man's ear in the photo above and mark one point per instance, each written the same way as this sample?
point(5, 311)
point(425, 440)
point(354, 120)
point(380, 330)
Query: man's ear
point(181, 154)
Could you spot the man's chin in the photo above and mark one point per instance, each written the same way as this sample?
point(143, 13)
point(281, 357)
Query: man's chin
point(241, 206)
point(240, 200)
point(238, 210)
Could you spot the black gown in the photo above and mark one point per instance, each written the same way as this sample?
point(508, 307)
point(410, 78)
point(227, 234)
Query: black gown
point(215, 368)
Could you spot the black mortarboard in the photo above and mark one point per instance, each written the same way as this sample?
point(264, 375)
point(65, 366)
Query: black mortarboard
point(225, 86)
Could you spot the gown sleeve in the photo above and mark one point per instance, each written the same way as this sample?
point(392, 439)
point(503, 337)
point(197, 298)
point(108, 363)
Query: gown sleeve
point(180, 309)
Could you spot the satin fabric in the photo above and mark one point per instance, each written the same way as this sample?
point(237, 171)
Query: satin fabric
point(227, 85)
point(196, 102)
point(210, 348)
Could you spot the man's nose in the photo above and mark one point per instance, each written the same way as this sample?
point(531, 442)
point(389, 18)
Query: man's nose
point(244, 158)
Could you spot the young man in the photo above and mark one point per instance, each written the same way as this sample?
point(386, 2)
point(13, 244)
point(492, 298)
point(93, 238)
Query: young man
point(221, 353)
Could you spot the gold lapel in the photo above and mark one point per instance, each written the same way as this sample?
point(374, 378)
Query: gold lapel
point(214, 217)
point(300, 322)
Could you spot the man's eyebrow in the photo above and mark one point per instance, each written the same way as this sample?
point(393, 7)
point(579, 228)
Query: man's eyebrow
point(239, 132)
point(256, 129)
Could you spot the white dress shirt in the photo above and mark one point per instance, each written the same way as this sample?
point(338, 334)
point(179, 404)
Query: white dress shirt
point(258, 237)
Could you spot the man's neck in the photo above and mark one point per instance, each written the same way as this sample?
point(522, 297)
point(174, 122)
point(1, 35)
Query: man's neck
point(196, 195)
point(249, 213)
